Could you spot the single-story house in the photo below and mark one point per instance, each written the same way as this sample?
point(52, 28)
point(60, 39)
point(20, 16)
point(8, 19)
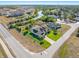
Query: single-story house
point(53, 16)
point(14, 13)
point(77, 18)
point(40, 31)
point(52, 25)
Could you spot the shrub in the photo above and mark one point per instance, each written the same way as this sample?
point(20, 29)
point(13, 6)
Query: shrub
point(77, 33)
point(25, 32)
point(12, 26)
point(41, 43)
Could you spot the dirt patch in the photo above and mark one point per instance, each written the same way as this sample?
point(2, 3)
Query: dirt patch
point(5, 20)
point(64, 28)
point(70, 48)
point(26, 41)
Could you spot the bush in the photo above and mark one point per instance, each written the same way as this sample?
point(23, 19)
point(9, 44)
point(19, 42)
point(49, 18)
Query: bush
point(12, 26)
point(77, 33)
point(25, 32)
point(41, 43)
point(18, 29)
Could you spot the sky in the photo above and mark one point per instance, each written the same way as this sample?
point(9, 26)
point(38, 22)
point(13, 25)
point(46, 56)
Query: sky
point(39, 2)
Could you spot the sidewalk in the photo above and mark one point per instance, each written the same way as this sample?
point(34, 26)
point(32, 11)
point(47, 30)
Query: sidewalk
point(49, 40)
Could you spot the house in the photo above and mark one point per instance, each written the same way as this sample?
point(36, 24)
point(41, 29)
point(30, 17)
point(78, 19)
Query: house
point(39, 31)
point(77, 17)
point(52, 25)
point(55, 16)
point(14, 13)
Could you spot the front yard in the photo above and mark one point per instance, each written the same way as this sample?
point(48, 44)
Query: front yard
point(40, 41)
point(54, 37)
point(60, 32)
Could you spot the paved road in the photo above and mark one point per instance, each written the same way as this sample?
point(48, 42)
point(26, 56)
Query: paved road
point(13, 44)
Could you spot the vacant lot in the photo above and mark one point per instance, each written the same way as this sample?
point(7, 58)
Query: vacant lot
point(5, 20)
point(60, 32)
point(70, 48)
point(26, 41)
point(2, 53)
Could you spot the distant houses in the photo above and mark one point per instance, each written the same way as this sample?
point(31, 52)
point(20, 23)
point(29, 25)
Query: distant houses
point(55, 16)
point(77, 17)
point(15, 12)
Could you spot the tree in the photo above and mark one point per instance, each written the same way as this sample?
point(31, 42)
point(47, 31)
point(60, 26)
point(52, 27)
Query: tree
point(25, 32)
point(18, 29)
point(51, 19)
point(32, 21)
point(55, 32)
point(12, 26)
point(77, 33)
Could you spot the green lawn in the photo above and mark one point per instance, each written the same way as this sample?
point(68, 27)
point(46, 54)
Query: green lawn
point(40, 41)
point(54, 37)
point(46, 44)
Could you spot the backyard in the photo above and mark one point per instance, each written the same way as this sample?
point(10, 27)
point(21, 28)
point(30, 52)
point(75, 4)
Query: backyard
point(40, 41)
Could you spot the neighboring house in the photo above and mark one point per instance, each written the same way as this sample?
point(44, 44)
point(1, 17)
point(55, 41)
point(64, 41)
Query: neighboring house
point(52, 25)
point(53, 16)
point(14, 13)
point(77, 17)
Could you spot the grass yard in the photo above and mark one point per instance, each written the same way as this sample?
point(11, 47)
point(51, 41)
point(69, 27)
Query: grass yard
point(60, 32)
point(54, 37)
point(41, 41)
point(45, 44)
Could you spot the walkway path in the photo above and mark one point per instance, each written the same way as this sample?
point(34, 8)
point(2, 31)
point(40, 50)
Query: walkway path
point(49, 40)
